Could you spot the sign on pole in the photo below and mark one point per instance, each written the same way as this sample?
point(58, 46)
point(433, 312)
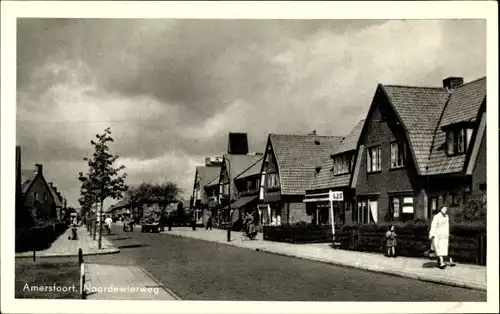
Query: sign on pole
point(334, 196)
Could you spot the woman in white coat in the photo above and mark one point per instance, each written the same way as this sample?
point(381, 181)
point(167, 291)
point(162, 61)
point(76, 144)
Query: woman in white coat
point(440, 235)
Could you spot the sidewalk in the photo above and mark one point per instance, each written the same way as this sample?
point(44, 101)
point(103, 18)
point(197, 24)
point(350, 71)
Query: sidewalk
point(64, 247)
point(462, 275)
point(110, 282)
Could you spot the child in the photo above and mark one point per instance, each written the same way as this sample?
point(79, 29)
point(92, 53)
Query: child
point(390, 236)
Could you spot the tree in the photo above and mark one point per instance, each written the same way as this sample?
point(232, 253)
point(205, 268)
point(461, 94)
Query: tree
point(103, 179)
point(160, 193)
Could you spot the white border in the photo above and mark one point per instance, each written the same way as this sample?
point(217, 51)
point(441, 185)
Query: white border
point(237, 10)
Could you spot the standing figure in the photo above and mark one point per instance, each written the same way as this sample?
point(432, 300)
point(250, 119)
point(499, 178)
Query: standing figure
point(390, 237)
point(108, 221)
point(209, 221)
point(439, 235)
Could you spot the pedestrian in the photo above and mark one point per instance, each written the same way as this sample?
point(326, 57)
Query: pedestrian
point(193, 220)
point(439, 235)
point(390, 237)
point(209, 221)
point(108, 221)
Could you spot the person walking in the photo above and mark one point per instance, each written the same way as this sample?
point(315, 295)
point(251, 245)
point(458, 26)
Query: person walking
point(108, 222)
point(209, 221)
point(390, 237)
point(439, 235)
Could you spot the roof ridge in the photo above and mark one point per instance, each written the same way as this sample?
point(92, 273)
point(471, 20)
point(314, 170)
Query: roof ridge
point(470, 82)
point(306, 135)
point(415, 87)
point(262, 157)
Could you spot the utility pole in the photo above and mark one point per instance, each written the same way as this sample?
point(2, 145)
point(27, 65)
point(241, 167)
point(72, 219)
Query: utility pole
point(229, 205)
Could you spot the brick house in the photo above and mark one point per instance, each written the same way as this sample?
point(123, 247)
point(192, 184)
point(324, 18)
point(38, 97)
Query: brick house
point(37, 197)
point(247, 184)
point(58, 201)
point(334, 174)
point(287, 171)
point(412, 151)
point(203, 176)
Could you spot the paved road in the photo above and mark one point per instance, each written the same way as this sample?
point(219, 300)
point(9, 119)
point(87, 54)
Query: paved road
point(200, 270)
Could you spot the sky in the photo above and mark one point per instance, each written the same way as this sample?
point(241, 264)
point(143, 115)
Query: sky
point(172, 89)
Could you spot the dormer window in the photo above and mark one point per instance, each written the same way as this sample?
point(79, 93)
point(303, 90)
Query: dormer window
point(341, 164)
point(458, 140)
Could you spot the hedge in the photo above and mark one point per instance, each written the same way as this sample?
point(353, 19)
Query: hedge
point(467, 240)
point(38, 237)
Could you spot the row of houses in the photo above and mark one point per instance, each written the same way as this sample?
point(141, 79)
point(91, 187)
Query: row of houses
point(417, 149)
point(36, 198)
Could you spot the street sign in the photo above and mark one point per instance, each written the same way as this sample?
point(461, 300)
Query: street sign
point(336, 196)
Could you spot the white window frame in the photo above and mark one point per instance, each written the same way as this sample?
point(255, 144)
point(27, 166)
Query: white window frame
point(398, 155)
point(373, 159)
point(341, 165)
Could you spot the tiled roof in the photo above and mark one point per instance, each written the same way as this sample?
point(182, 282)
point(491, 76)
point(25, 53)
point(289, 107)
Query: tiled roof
point(419, 109)
point(297, 157)
point(424, 110)
point(207, 174)
point(463, 105)
point(57, 201)
point(464, 102)
point(252, 170)
point(240, 163)
point(27, 175)
point(325, 178)
point(351, 140)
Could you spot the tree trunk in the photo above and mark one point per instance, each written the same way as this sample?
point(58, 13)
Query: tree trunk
point(100, 225)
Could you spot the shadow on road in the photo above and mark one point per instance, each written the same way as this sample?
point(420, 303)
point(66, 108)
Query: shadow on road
point(132, 246)
point(429, 265)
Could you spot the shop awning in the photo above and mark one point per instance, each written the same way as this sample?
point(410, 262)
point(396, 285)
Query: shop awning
point(242, 202)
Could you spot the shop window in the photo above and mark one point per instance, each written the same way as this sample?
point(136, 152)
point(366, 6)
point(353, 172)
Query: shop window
point(373, 159)
point(432, 207)
point(454, 199)
point(398, 155)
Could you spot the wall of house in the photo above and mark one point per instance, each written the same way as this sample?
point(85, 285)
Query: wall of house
point(479, 172)
point(45, 201)
point(381, 184)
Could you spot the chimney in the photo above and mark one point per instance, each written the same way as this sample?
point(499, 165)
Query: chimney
point(39, 168)
point(237, 144)
point(51, 185)
point(452, 82)
point(207, 161)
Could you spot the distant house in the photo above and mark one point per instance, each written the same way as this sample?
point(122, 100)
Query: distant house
point(420, 148)
point(288, 170)
point(58, 201)
point(203, 176)
point(37, 196)
point(235, 162)
point(334, 174)
point(247, 184)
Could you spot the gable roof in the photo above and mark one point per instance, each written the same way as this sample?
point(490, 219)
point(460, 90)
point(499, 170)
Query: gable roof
point(252, 170)
point(419, 109)
point(57, 201)
point(207, 174)
point(464, 102)
point(27, 177)
point(424, 110)
point(240, 163)
point(297, 157)
point(325, 178)
point(463, 106)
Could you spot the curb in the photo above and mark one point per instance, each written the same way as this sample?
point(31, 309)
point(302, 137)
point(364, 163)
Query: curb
point(442, 281)
point(45, 255)
point(395, 273)
point(175, 296)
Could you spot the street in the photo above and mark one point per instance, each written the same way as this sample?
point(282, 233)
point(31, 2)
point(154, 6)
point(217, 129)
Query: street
point(200, 270)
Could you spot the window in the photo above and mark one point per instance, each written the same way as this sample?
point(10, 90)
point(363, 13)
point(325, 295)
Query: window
point(272, 180)
point(454, 199)
point(225, 190)
point(341, 164)
point(373, 159)
point(401, 208)
point(458, 140)
point(35, 196)
point(432, 206)
point(367, 211)
point(398, 155)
